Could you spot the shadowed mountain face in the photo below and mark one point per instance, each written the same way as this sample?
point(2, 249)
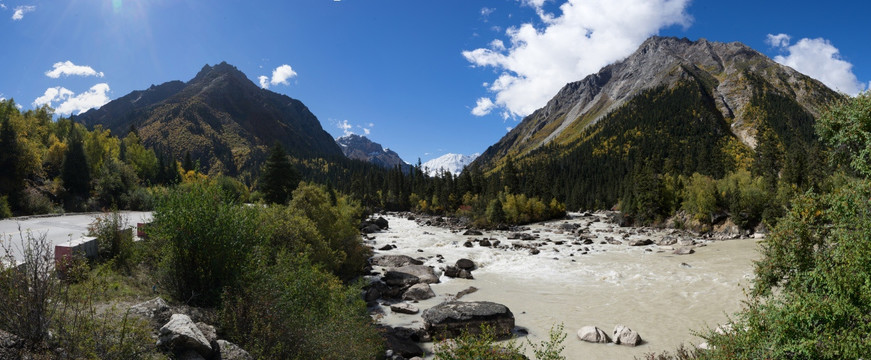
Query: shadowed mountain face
point(359, 147)
point(224, 120)
point(735, 82)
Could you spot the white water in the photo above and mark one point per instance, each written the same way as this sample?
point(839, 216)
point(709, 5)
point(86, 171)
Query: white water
point(660, 295)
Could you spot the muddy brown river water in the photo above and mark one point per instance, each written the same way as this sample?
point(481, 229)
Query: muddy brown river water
point(660, 295)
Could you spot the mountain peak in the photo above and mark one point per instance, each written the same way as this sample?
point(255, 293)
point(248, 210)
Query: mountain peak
point(359, 147)
point(453, 163)
point(725, 71)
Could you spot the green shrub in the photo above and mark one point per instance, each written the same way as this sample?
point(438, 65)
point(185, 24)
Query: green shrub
point(293, 310)
point(114, 237)
point(138, 199)
point(484, 347)
point(201, 242)
point(5, 211)
point(818, 259)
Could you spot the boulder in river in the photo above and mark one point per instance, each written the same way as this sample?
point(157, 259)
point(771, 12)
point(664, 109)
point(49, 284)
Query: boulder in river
point(382, 223)
point(398, 342)
point(451, 319)
point(472, 232)
point(465, 264)
point(419, 291)
point(626, 336)
point(370, 228)
point(394, 260)
point(404, 308)
point(641, 242)
point(684, 250)
point(455, 272)
point(422, 272)
point(593, 334)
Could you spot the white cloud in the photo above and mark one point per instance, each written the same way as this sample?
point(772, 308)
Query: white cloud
point(345, 126)
point(280, 75)
point(2, 6)
point(95, 97)
point(51, 95)
point(21, 10)
point(779, 40)
point(507, 129)
point(821, 60)
point(67, 68)
point(483, 106)
point(485, 11)
point(584, 37)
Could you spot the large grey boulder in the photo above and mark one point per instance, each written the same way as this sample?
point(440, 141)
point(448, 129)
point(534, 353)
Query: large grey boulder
point(181, 334)
point(231, 351)
point(394, 260)
point(450, 319)
point(155, 309)
point(419, 291)
point(399, 279)
point(466, 264)
point(424, 273)
point(398, 341)
point(683, 250)
point(626, 336)
point(593, 334)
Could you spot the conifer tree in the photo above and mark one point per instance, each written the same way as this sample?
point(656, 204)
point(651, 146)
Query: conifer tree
point(279, 178)
point(74, 173)
point(11, 172)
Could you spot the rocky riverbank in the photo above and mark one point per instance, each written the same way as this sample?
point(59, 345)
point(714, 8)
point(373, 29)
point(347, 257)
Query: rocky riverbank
point(423, 263)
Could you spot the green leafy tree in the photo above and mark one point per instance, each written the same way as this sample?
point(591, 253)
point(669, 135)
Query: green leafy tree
point(279, 178)
point(845, 128)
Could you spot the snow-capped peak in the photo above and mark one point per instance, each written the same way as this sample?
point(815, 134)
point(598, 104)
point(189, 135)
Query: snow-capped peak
point(454, 163)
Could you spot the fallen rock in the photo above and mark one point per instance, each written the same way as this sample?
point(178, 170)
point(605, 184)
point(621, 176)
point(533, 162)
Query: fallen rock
point(471, 232)
point(683, 251)
point(180, 335)
point(394, 260)
point(468, 244)
point(450, 319)
point(404, 308)
point(231, 351)
point(593, 334)
point(419, 291)
point(626, 336)
point(485, 243)
point(465, 264)
point(387, 247)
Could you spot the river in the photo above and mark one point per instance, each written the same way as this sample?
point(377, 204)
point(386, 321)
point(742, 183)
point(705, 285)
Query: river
point(660, 295)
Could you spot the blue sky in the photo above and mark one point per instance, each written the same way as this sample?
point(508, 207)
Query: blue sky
point(423, 77)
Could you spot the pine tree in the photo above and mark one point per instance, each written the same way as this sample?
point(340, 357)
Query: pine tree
point(74, 173)
point(279, 178)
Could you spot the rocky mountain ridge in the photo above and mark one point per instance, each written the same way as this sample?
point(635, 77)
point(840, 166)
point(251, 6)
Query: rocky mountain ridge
point(359, 147)
point(222, 118)
point(729, 73)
